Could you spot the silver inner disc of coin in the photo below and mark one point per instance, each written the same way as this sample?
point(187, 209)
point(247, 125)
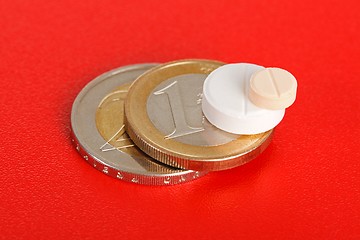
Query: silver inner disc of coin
point(94, 145)
point(174, 107)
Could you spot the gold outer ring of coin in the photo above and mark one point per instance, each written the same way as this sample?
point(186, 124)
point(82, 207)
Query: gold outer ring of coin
point(174, 153)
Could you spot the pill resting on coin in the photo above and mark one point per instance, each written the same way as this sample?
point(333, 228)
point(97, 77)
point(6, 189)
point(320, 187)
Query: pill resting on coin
point(163, 117)
point(226, 103)
point(272, 88)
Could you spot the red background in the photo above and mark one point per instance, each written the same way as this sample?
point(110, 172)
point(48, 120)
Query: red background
point(304, 186)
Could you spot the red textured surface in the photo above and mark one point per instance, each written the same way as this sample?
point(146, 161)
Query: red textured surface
point(304, 186)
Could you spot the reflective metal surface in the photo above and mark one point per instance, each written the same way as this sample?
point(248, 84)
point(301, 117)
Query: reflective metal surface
point(98, 132)
point(174, 107)
point(163, 117)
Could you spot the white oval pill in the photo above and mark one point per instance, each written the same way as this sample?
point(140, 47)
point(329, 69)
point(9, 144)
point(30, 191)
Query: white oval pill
point(272, 88)
point(226, 105)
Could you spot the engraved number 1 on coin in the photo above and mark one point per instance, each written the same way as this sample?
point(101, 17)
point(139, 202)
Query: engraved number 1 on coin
point(177, 109)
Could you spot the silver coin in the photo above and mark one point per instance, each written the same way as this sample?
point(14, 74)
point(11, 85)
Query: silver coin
point(100, 152)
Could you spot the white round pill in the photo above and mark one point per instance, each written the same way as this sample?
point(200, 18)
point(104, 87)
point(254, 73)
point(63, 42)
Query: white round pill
point(226, 104)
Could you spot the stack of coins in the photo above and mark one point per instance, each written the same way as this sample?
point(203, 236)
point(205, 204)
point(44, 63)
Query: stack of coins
point(145, 124)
